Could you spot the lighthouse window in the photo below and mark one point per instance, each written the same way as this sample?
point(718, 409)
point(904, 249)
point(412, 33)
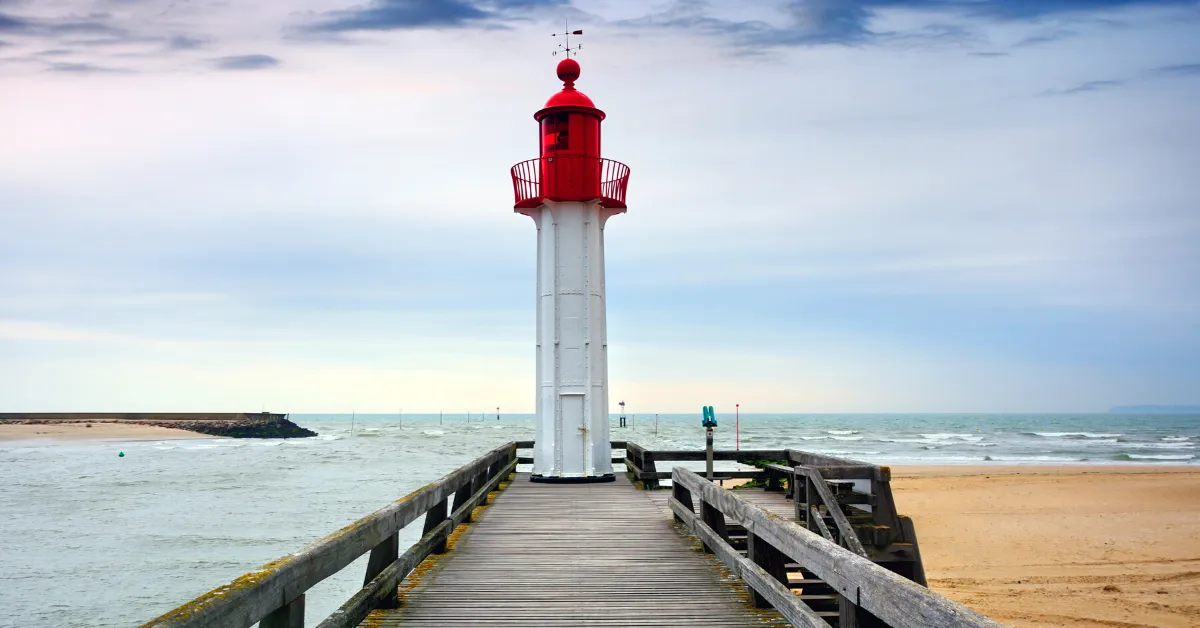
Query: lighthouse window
point(554, 132)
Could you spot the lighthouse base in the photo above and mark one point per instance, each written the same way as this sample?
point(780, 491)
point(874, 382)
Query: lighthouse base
point(558, 479)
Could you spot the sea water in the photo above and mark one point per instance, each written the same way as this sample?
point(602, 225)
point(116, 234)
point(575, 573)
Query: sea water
point(88, 538)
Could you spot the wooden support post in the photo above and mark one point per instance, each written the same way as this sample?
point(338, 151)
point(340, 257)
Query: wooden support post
point(383, 555)
point(851, 615)
point(435, 516)
point(648, 468)
point(290, 615)
point(461, 496)
point(770, 559)
point(683, 496)
point(715, 520)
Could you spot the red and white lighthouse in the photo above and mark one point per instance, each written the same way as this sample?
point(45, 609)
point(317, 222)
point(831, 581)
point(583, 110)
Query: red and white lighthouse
point(570, 191)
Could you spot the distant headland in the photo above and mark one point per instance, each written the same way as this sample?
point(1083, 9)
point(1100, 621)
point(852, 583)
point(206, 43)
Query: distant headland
point(228, 424)
point(1154, 410)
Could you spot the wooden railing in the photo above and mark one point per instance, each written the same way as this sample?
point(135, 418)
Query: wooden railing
point(274, 593)
point(868, 594)
point(642, 463)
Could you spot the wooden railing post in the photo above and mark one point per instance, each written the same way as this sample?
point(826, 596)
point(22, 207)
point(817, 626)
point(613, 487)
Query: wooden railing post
point(770, 559)
point(714, 519)
point(433, 518)
point(651, 482)
point(383, 555)
point(290, 615)
point(461, 496)
point(683, 496)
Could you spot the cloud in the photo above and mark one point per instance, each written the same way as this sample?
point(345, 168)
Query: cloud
point(245, 62)
point(817, 22)
point(85, 68)
point(988, 54)
point(389, 15)
point(1187, 69)
point(1086, 86)
point(183, 42)
point(1168, 71)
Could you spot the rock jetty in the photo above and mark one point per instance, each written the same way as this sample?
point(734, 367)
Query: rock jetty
point(230, 425)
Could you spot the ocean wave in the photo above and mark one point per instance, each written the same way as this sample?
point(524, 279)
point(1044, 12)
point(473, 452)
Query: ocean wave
point(814, 437)
point(433, 433)
point(1176, 439)
point(1071, 434)
point(972, 438)
point(846, 437)
point(841, 432)
point(1157, 456)
point(1035, 459)
point(1170, 445)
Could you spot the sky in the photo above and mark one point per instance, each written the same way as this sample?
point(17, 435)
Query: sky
point(835, 205)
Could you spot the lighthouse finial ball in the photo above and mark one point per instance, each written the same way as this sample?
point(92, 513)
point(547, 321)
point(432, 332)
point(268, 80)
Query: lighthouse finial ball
point(568, 70)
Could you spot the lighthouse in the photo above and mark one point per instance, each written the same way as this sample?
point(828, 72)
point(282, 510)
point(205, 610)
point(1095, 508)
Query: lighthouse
point(570, 192)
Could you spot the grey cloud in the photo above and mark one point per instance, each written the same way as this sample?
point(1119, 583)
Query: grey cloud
point(988, 54)
point(183, 42)
point(816, 22)
point(388, 15)
point(85, 68)
point(1187, 69)
point(1084, 87)
point(245, 62)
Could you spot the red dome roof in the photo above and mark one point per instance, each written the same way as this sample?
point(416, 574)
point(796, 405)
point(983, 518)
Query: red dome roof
point(568, 71)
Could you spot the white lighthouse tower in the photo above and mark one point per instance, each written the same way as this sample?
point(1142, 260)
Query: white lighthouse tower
point(570, 191)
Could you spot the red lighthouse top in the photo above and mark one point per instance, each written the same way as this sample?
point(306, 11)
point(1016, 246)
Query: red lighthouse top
point(568, 73)
point(570, 167)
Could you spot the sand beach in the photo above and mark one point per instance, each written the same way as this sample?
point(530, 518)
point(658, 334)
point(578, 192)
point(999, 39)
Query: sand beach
point(67, 431)
point(1079, 546)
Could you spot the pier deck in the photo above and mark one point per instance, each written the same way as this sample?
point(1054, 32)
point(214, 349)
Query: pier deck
point(574, 555)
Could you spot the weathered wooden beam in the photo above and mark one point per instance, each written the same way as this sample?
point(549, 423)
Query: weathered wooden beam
point(290, 615)
point(718, 454)
point(666, 475)
point(780, 596)
point(770, 559)
point(383, 555)
point(245, 601)
point(847, 533)
point(815, 516)
point(715, 520)
point(896, 600)
point(683, 496)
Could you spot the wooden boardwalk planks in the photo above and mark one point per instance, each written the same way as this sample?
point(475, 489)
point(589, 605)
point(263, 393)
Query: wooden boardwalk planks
point(574, 555)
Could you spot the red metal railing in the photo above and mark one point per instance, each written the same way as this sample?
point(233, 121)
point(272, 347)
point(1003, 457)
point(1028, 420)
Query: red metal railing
point(570, 178)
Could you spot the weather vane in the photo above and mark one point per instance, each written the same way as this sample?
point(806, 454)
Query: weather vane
point(566, 47)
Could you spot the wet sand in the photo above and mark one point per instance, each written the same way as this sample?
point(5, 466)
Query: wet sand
point(98, 431)
point(1112, 547)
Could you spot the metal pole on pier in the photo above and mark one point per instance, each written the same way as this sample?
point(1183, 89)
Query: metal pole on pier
point(709, 422)
point(656, 424)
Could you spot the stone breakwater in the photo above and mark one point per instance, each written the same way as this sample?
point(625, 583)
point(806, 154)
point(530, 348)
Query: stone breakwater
point(230, 425)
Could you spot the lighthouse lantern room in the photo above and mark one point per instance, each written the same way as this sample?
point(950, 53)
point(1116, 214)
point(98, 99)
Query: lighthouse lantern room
point(570, 191)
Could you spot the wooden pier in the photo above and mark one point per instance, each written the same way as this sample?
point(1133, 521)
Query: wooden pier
point(818, 545)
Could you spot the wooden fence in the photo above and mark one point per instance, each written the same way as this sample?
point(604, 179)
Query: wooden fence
point(869, 595)
point(274, 594)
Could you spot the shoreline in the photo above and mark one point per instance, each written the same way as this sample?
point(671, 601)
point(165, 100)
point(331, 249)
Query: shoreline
point(73, 433)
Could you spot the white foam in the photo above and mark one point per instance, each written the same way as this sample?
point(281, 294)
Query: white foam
point(846, 437)
point(814, 437)
point(841, 432)
point(1076, 435)
point(1171, 445)
point(1160, 457)
point(433, 433)
point(1176, 439)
